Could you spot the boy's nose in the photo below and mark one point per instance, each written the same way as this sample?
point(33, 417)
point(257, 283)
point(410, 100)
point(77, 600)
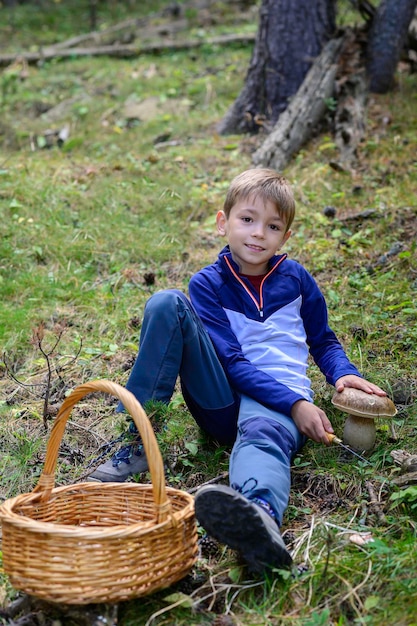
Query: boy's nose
point(259, 231)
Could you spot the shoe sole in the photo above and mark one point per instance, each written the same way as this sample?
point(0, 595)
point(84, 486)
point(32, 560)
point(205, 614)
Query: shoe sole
point(233, 520)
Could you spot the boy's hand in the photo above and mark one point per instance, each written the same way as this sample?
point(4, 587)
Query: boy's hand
point(350, 380)
point(311, 421)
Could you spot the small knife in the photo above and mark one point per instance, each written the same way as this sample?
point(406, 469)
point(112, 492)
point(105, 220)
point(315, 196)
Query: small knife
point(333, 439)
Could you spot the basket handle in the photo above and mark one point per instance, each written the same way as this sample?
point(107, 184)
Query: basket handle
point(156, 467)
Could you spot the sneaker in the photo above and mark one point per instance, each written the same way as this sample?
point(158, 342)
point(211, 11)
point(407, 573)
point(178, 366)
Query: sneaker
point(129, 460)
point(242, 525)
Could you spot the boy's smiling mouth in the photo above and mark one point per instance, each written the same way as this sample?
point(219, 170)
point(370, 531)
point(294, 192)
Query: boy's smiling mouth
point(252, 246)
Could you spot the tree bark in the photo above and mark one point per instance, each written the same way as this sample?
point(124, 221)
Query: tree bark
point(387, 38)
point(291, 34)
point(303, 113)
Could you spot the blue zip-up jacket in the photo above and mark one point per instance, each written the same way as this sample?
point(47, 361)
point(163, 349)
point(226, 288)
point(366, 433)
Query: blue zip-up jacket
point(263, 341)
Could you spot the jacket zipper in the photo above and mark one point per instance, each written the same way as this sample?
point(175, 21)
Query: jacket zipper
point(259, 305)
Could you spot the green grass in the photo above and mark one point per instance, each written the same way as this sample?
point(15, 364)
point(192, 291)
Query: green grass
point(124, 208)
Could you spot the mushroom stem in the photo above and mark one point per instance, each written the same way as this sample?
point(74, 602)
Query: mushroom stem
point(359, 432)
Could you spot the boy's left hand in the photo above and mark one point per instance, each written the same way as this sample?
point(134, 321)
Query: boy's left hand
point(351, 380)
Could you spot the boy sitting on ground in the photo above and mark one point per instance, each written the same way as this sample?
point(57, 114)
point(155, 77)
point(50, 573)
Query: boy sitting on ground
point(240, 348)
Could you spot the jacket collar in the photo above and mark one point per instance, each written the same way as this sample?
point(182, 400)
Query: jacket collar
point(273, 262)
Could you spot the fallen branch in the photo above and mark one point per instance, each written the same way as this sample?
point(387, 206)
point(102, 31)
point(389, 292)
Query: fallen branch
point(99, 37)
point(303, 113)
point(406, 479)
point(128, 35)
point(366, 214)
point(164, 22)
point(352, 98)
point(122, 50)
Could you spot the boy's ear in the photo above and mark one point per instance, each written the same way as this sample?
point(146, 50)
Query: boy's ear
point(221, 221)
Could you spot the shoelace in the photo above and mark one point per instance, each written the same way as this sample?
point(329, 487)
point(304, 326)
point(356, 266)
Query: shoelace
point(246, 488)
point(125, 454)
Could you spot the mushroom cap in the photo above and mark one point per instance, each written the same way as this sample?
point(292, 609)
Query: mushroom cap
point(362, 404)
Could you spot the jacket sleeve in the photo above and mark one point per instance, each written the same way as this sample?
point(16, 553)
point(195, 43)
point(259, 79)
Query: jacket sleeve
point(324, 346)
point(243, 376)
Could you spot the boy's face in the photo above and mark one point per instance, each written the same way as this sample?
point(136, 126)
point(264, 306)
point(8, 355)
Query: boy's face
point(255, 231)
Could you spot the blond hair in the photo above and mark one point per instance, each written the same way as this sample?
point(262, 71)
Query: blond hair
point(266, 184)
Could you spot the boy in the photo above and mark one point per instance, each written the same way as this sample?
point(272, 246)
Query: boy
point(241, 351)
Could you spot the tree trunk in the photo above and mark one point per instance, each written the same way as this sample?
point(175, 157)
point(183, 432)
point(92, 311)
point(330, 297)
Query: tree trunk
point(291, 34)
point(387, 37)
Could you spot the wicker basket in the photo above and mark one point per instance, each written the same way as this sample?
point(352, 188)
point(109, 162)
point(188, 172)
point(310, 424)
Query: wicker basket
point(98, 542)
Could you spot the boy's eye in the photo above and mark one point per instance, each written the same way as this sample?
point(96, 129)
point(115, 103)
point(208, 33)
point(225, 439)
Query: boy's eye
point(247, 219)
point(274, 227)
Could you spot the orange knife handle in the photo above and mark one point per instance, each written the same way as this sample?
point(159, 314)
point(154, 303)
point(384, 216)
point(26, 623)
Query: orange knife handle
point(332, 438)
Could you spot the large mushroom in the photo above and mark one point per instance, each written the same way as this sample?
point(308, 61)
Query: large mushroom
point(362, 408)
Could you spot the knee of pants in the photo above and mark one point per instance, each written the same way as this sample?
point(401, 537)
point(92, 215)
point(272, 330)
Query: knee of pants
point(261, 429)
point(220, 424)
point(165, 300)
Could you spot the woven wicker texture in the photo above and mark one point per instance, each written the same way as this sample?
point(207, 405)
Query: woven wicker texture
point(98, 542)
